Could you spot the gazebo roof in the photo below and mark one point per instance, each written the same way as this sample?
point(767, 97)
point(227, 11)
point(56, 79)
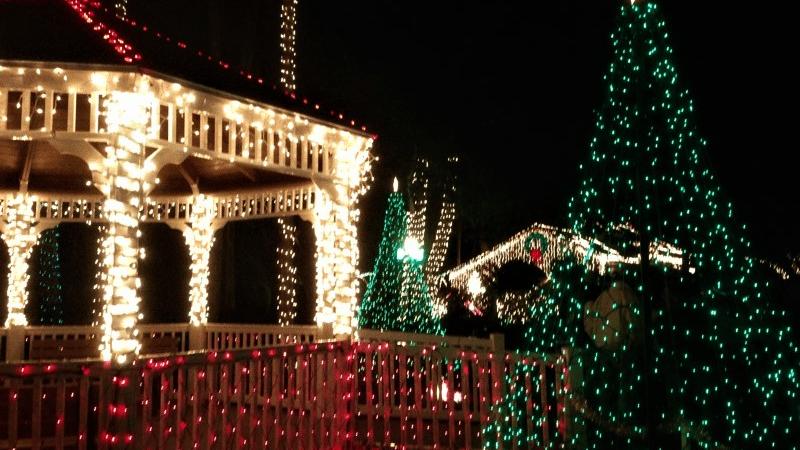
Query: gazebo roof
point(52, 31)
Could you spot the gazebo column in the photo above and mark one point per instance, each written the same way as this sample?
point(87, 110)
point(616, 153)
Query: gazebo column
point(337, 257)
point(121, 180)
point(199, 237)
point(336, 215)
point(20, 237)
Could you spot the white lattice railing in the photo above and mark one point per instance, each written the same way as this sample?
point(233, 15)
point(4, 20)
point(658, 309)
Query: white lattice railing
point(45, 101)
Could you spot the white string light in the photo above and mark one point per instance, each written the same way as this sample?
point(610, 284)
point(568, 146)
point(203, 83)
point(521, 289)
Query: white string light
point(288, 39)
point(287, 273)
point(199, 236)
point(20, 237)
point(513, 306)
point(335, 228)
point(127, 116)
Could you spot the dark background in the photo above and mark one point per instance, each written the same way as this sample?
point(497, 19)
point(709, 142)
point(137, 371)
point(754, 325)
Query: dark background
point(510, 87)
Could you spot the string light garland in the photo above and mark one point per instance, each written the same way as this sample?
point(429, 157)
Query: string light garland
point(287, 273)
point(704, 356)
point(418, 193)
point(127, 116)
point(100, 277)
point(51, 303)
point(288, 38)
point(199, 236)
point(20, 237)
point(121, 8)
point(112, 38)
point(335, 227)
point(441, 238)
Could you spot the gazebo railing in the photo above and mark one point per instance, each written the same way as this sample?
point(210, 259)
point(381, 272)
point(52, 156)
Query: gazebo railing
point(78, 342)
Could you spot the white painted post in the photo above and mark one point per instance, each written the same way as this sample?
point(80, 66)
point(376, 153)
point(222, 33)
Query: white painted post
point(121, 181)
point(20, 237)
point(199, 237)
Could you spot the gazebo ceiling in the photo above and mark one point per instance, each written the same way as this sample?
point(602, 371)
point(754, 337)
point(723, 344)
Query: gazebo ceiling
point(54, 172)
point(50, 171)
point(215, 176)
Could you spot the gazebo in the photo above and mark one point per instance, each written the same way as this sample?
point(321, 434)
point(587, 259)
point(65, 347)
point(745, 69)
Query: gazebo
point(124, 144)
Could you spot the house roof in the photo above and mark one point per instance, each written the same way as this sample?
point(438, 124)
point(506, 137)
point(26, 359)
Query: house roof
point(83, 31)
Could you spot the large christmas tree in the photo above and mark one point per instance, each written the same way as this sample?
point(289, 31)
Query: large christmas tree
point(669, 349)
point(397, 296)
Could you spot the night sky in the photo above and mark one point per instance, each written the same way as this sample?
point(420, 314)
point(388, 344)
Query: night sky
point(511, 88)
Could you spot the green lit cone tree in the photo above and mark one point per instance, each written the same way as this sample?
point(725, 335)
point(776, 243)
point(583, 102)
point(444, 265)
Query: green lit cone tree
point(700, 352)
point(397, 296)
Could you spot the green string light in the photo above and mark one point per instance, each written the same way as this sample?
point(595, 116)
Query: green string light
point(397, 296)
point(51, 305)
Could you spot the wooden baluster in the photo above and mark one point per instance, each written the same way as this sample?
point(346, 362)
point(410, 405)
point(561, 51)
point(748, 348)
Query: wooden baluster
point(402, 364)
point(61, 398)
point(466, 399)
point(146, 421)
point(172, 124)
point(369, 374)
point(484, 394)
point(321, 395)
point(225, 382)
point(561, 407)
point(436, 409)
point(255, 386)
point(211, 423)
point(72, 108)
point(3, 107)
point(180, 403)
point(530, 366)
point(543, 392)
point(451, 406)
point(302, 382)
point(163, 413)
point(13, 412)
point(48, 111)
point(83, 412)
point(266, 411)
point(388, 358)
point(36, 414)
point(498, 381)
point(512, 389)
point(290, 403)
point(102, 409)
point(204, 131)
point(239, 391)
point(303, 153)
point(279, 403)
point(419, 370)
point(194, 382)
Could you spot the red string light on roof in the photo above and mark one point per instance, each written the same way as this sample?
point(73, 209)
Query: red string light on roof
point(81, 7)
point(112, 38)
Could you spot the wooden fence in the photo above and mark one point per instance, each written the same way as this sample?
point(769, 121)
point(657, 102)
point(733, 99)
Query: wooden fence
point(404, 393)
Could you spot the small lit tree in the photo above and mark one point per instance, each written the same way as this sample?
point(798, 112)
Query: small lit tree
point(397, 296)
